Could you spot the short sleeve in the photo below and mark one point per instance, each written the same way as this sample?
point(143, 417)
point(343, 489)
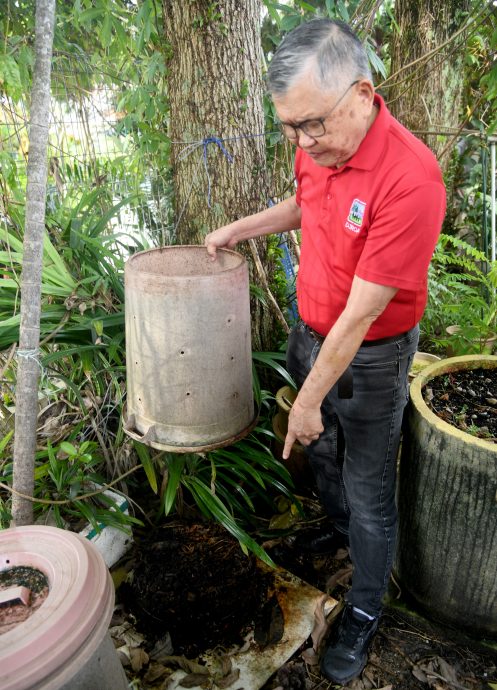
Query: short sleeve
point(402, 236)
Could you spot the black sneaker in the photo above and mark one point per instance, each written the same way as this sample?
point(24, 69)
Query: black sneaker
point(345, 658)
point(320, 542)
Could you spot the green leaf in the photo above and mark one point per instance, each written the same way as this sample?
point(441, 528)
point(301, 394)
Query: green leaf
point(272, 11)
point(214, 507)
point(375, 60)
point(88, 15)
point(5, 440)
point(330, 8)
point(147, 464)
point(269, 359)
point(10, 77)
point(290, 22)
point(175, 469)
point(106, 31)
point(343, 11)
point(306, 6)
point(68, 448)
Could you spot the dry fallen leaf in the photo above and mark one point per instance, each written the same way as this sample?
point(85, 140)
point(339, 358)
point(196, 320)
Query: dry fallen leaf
point(138, 658)
point(341, 577)
point(418, 673)
point(310, 657)
point(226, 665)
point(123, 654)
point(447, 671)
point(126, 635)
point(192, 680)
point(162, 648)
point(229, 679)
point(154, 672)
point(187, 665)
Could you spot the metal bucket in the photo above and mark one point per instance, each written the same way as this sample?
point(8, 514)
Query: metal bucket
point(188, 349)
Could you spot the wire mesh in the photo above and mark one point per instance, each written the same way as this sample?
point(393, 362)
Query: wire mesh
point(89, 148)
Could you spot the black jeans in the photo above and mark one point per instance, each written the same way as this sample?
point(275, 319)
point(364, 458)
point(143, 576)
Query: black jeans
point(354, 460)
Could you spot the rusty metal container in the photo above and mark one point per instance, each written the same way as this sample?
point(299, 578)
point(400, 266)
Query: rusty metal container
point(188, 349)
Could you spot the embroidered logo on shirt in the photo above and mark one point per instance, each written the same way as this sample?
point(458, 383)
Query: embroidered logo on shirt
point(356, 213)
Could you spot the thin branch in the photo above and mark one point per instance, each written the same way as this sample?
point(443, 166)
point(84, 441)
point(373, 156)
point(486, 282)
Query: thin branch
point(66, 501)
point(451, 141)
point(262, 275)
point(437, 49)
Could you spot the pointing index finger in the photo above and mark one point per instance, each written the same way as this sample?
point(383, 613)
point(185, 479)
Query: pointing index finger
point(289, 441)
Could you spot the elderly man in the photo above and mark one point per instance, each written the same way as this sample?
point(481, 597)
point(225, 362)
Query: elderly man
point(370, 203)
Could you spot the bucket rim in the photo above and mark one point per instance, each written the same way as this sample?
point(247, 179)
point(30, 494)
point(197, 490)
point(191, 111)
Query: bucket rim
point(202, 448)
point(242, 260)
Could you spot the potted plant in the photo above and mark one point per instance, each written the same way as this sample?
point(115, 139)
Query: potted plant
point(461, 314)
point(447, 549)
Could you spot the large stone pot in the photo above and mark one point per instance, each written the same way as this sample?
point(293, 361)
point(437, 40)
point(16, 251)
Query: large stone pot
point(447, 548)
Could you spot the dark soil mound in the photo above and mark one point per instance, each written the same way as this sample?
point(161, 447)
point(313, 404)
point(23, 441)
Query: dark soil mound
point(194, 582)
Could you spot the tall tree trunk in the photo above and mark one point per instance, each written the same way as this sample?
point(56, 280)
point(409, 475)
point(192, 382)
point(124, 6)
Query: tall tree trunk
point(28, 364)
point(427, 96)
point(215, 92)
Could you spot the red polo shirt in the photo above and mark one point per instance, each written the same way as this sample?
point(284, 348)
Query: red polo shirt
point(377, 217)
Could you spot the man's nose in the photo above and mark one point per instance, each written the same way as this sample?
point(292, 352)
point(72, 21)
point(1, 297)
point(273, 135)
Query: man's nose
point(304, 140)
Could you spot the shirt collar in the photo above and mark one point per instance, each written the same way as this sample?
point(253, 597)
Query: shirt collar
point(371, 147)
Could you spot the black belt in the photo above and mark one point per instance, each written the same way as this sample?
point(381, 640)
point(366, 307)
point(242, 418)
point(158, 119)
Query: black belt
point(383, 341)
point(346, 382)
point(365, 343)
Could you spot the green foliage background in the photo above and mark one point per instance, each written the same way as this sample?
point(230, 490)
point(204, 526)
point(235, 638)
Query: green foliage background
point(119, 47)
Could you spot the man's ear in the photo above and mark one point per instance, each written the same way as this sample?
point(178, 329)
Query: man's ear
point(365, 89)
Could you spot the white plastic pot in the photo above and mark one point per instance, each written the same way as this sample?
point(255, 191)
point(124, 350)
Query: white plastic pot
point(112, 542)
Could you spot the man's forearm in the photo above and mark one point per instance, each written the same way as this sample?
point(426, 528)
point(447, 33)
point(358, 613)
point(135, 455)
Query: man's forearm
point(337, 352)
point(279, 218)
point(366, 302)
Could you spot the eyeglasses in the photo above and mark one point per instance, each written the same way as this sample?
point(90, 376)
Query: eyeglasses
point(313, 128)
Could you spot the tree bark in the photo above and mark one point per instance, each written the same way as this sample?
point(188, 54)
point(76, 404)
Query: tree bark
point(427, 95)
point(28, 363)
point(215, 92)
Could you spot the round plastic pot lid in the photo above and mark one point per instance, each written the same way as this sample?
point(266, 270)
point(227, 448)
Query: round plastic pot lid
point(80, 589)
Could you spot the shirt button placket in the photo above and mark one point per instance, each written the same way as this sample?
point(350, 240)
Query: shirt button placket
point(328, 194)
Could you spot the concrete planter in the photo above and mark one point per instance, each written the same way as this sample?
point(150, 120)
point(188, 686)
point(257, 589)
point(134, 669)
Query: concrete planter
point(420, 361)
point(447, 548)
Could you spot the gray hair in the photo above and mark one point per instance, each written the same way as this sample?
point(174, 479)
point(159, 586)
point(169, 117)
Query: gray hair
point(338, 56)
